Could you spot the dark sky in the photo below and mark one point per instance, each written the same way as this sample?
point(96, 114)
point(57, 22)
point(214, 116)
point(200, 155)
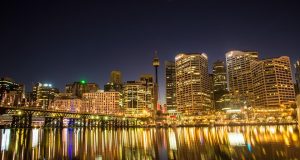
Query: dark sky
point(65, 41)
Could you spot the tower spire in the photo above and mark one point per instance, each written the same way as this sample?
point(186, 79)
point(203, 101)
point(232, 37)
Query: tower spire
point(155, 64)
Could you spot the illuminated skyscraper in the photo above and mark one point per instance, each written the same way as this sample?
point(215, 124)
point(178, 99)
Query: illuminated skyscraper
point(219, 83)
point(44, 94)
point(192, 83)
point(170, 85)
point(135, 97)
point(239, 76)
point(272, 82)
point(297, 76)
point(148, 83)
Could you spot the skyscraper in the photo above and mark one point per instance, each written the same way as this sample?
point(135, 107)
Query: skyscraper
point(149, 86)
point(192, 83)
point(115, 82)
point(116, 77)
point(170, 86)
point(219, 83)
point(297, 76)
point(44, 94)
point(135, 101)
point(272, 82)
point(240, 77)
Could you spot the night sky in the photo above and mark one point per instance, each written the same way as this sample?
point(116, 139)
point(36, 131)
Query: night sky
point(61, 42)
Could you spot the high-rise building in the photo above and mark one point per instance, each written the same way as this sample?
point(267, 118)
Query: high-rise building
point(137, 98)
point(219, 83)
point(11, 93)
point(272, 82)
point(44, 94)
point(102, 102)
point(297, 76)
point(115, 82)
point(170, 76)
point(240, 77)
point(78, 88)
point(192, 83)
point(116, 77)
point(149, 85)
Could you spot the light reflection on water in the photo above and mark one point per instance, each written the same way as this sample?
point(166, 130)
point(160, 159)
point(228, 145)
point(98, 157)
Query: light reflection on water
point(244, 142)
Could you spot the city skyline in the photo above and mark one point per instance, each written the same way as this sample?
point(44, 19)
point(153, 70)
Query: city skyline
point(69, 41)
point(150, 79)
point(162, 80)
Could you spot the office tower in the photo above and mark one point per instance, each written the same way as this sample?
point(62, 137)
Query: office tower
point(272, 82)
point(43, 95)
point(102, 102)
point(135, 98)
point(170, 86)
point(240, 77)
point(115, 82)
point(192, 83)
point(219, 84)
point(78, 88)
point(116, 77)
point(297, 76)
point(149, 85)
point(155, 63)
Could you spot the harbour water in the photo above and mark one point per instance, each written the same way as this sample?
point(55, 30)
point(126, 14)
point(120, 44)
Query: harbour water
point(239, 142)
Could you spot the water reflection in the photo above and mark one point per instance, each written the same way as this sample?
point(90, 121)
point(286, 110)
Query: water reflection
point(251, 142)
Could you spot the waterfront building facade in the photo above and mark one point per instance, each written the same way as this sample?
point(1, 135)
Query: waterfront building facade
point(102, 102)
point(67, 103)
point(219, 83)
point(240, 77)
point(43, 95)
point(272, 82)
point(136, 98)
point(192, 83)
point(170, 78)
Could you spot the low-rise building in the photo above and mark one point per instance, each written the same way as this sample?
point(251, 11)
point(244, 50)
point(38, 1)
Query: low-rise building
point(67, 103)
point(102, 102)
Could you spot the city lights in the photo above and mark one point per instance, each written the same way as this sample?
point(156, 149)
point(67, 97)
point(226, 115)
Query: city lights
point(167, 80)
